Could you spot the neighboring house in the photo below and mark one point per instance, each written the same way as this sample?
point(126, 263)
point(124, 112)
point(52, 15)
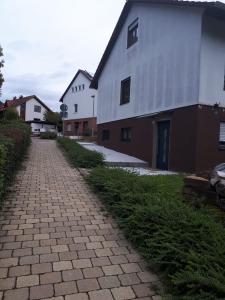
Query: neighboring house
point(82, 106)
point(31, 109)
point(161, 87)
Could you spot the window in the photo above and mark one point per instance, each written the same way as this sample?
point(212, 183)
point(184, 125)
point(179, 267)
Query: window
point(36, 119)
point(126, 134)
point(222, 134)
point(37, 108)
point(132, 35)
point(73, 89)
point(79, 87)
point(125, 91)
point(68, 127)
point(105, 135)
point(75, 108)
point(83, 86)
point(76, 88)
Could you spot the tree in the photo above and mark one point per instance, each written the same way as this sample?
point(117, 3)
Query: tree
point(1, 66)
point(11, 114)
point(53, 118)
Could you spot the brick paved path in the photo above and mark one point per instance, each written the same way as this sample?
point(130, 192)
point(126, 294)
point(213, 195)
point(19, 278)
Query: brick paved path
point(56, 242)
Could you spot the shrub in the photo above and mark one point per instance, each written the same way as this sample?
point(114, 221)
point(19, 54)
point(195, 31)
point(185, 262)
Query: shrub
point(11, 114)
point(79, 156)
point(14, 141)
point(185, 244)
point(48, 135)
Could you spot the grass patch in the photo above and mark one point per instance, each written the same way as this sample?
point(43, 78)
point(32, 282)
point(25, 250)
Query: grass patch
point(48, 135)
point(184, 244)
point(80, 157)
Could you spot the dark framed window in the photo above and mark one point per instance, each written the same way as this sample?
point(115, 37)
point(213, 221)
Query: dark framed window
point(105, 135)
point(73, 89)
point(79, 87)
point(83, 86)
point(126, 134)
point(75, 108)
point(222, 135)
point(76, 88)
point(132, 34)
point(37, 108)
point(125, 91)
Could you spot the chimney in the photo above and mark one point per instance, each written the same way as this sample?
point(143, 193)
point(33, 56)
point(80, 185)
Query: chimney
point(21, 96)
point(14, 98)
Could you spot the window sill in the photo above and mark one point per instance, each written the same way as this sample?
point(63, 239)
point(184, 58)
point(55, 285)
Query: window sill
point(124, 103)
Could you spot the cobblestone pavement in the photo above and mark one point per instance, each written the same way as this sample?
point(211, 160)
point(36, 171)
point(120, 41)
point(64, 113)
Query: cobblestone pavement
point(57, 243)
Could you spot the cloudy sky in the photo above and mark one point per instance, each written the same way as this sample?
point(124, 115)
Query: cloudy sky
point(46, 41)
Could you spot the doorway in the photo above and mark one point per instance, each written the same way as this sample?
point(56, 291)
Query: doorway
point(163, 143)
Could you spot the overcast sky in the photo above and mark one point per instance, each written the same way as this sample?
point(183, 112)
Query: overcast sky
point(46, 41)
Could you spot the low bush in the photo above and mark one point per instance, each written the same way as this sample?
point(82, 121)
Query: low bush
point(79, 156)
point(14, 141)
point(48, 135)
point(186, 245)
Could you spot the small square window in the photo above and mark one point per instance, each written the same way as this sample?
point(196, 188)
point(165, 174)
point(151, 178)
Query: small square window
point(37, 108)
point(132, 35)
point(105, 135)
point(75, 108)
point(126, 134)
point(125, 91)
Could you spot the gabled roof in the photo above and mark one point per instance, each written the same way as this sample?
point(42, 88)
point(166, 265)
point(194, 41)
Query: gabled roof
point(216, 9)
point(85, 73)
point(21, 100)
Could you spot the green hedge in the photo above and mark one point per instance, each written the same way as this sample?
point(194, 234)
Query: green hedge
point(14, 141)
point(79, 156)
point(48, 135)
point(184, 244)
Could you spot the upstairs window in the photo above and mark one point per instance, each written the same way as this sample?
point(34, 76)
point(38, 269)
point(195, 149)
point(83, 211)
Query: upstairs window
point(73, 89)
point(222, 134)
point(125, 91)
point(83, 86)
point(126, 134)
point(105, 135)
point(75, 108)
point(132, 34)
point(37, 108)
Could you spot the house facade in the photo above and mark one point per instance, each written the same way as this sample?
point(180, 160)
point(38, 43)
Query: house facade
point(32, 110)
point(161, 87)
point(82, 106)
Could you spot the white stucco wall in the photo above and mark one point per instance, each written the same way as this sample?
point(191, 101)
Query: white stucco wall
point(31, 114)
point(82, 98)
point(163, 64)
point(212, 68)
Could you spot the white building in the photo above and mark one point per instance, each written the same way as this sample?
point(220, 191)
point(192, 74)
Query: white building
point(31, 109)
point(82, 106)
point(161, 91)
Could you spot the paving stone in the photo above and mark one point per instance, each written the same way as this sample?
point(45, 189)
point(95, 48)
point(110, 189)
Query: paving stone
point(123, 293)
point(118, 259)
point(29, 260)
point(7, 284)
point(41, 268)
point(143, 290)
point(86, 254)
point(79, 296)
point(68, 255)
point(130, 268)
point(100, 295)
point(60, 248)
point(8, 262)
point(103, 252)
point(19, 271)
point(62, 265)
point(70, 275)
point(17, 294)
point(82, 263)
point(129, 279)
point(100, 261)
point(108, 282)
point(53, 257)
point(3, 272)
point(65, 288)
point(26, 281)
point(41, 291)
point(112, 270)
point(53, 277)
point(87, 285)
point(93, 272)
point(147, 277)
point(42, 250)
